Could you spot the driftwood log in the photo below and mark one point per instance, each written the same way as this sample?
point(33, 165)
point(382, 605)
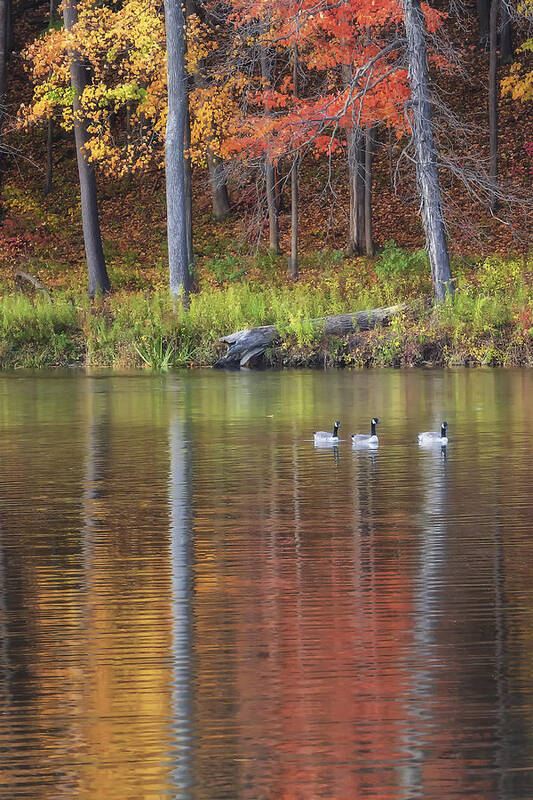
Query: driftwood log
point(245, 345)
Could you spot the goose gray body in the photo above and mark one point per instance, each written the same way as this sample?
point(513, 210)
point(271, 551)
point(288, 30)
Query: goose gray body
point(367, 439)
point(435, 437)
point(325, 437)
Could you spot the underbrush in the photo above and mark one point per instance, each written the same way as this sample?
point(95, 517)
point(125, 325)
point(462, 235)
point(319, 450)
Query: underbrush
point(490, 320)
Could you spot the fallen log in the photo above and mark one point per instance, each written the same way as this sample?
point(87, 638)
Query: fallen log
point(246, 344)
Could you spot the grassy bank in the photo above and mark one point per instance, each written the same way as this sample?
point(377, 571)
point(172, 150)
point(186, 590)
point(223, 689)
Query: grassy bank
point(490, 321)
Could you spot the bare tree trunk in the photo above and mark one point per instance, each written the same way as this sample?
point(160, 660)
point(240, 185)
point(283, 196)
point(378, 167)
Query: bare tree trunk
point(50, 126)
point(483, 13)
point(49, 143)
point(188, 191)
point(270, 173)
point(427, 171)
point(215, 164)
point(219, 187)
point(9, 29)
point(369, 244)
point(3, 53)
point(493, 100)
point(273, 218)
point(360, 191)
point(506, 32)
point(356, 225)
point(293, 260)
point(178, 257)
point(98, 277)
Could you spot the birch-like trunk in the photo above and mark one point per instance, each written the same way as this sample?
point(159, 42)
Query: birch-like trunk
point(494, 91)
point(98, 277)
point(426, 163)
point(178, 257)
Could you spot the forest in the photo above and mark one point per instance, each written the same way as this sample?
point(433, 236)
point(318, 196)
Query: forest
point(171, 175)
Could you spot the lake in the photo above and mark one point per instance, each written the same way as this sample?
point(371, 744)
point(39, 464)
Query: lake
point(195, 602)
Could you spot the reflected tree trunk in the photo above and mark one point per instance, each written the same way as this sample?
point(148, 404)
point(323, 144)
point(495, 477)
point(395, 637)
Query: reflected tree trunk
point(181, 559)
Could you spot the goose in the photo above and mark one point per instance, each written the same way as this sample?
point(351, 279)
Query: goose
point(323, 437)
point(435, 437)
point(367, 439)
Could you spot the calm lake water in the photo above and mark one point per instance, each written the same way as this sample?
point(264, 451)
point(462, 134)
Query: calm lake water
point(197, 603)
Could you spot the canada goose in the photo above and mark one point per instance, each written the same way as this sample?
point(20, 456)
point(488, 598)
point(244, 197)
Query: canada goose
point(367, 439)
point(323, 437)
point(435, 437)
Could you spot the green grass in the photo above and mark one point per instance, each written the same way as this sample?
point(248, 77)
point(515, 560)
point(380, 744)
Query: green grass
point(490, 320)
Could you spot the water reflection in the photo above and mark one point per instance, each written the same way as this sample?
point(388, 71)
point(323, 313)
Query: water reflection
point(195, 602)
point(181, 559)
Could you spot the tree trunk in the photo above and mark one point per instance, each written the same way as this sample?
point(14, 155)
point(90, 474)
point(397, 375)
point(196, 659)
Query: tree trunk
point(427, 171)
point(98, 277)
point(49, 143)
point(270, 173)
point(483, 13)
point(50, 126)
point(215, 164)
point(369, 243)
point(293, 260)
point(356, 227)
point(178, 257)
point(188, 191)
point(9, 29)
point(219, 187)
point(3, 53)
point(506, 33)
point(273, 219)
point(247, 344)
point(493, 101)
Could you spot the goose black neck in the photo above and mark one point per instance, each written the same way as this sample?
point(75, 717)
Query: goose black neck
point(335, 429)
point(372, 428)
point(443, 431)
